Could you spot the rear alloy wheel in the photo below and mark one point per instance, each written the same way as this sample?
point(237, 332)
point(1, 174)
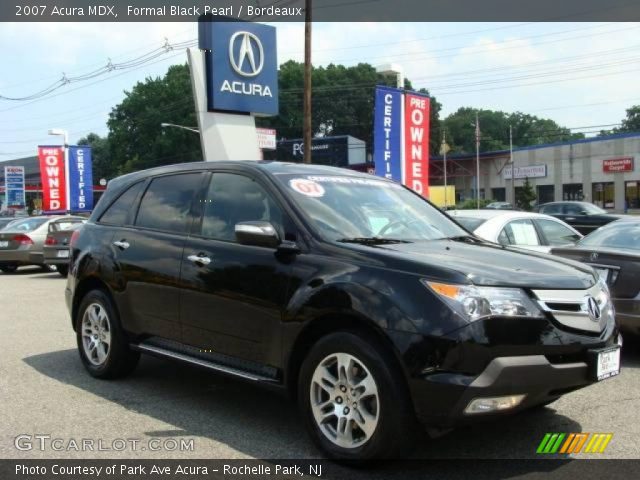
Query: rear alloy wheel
point(354, 399)
point(102, 343)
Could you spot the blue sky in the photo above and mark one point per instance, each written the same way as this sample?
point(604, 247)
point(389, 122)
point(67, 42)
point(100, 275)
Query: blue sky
point(578, 74)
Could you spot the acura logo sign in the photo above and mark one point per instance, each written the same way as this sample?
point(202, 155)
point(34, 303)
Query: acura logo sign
point(246, 54)
point(593, 309)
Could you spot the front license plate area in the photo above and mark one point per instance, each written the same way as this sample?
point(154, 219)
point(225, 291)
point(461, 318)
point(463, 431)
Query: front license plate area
point(604, 363)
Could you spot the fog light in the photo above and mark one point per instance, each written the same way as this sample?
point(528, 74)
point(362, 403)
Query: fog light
point(493, 404)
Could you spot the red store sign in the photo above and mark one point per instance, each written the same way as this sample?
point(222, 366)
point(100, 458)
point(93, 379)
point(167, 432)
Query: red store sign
point(622, 164)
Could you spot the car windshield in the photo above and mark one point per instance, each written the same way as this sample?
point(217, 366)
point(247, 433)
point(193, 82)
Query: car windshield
point(349, 208)
point(592, 209)
point(614, 235)
point(27, 225)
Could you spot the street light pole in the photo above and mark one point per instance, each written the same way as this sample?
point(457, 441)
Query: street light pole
point(444, 153)
point(67, 182)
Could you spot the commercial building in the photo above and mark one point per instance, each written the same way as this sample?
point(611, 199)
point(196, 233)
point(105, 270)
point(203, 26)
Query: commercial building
point(601, 170)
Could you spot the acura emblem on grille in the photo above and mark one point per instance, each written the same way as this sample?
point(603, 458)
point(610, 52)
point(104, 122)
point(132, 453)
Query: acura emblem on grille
point(593, 309)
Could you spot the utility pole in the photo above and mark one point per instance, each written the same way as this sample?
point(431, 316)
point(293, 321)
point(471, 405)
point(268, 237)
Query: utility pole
point(513, 167)
point(306, 130)
point(477, 162)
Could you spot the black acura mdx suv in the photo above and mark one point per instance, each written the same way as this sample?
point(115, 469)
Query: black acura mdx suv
point(355, 295)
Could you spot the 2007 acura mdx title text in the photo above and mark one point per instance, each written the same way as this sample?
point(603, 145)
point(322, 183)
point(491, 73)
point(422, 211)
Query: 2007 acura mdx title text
point(364, 301)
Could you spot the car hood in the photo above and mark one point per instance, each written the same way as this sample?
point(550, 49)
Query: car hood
point(487, 264)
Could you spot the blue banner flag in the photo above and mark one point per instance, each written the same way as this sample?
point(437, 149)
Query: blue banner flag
point(387, 133)
point(80, 179)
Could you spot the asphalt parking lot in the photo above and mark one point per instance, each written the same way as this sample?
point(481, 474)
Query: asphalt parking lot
point(46, 391)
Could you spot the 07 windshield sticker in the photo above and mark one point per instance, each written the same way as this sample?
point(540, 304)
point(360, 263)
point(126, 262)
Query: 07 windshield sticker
point(307, 187)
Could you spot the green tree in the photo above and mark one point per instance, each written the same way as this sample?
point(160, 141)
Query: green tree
point(629, 124)
point(342, 102)
point(136, 139)
point(525, 196)
point(494, 130)
point(101, 159)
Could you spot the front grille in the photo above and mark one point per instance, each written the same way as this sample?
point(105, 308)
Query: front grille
point(571, 307)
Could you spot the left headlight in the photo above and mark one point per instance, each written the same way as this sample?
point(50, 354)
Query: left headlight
point(474, 302)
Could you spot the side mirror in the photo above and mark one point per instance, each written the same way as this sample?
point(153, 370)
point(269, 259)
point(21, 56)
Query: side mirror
point(257, 233)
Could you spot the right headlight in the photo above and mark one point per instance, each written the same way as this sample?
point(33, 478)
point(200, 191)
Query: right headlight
point(474, 302)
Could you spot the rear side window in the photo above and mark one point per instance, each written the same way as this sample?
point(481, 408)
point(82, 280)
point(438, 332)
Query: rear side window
point(519, 232)
point(551, 209)
point(167, 202)
point(117, 213)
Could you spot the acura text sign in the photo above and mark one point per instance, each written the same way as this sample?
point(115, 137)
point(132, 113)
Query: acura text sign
point(242, 67)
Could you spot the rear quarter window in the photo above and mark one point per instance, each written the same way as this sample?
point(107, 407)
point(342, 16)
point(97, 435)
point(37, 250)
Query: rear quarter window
point(118, 211)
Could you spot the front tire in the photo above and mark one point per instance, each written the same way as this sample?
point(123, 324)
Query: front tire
point(9, 268)
point(102, 343)
point(353, 398)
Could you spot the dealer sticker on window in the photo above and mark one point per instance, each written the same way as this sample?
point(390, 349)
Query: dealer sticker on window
point(307, 187)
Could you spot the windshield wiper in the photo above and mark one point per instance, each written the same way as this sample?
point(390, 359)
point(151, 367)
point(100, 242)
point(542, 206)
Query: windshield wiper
point(372, 240)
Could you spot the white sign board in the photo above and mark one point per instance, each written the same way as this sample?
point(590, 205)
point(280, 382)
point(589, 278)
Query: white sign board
point(530, 171)
point(266, 138)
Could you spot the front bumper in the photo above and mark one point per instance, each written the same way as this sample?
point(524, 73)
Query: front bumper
point(497, 358)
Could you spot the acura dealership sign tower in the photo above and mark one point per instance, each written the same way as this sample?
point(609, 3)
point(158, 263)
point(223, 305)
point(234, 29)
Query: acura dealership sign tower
point(234, 76)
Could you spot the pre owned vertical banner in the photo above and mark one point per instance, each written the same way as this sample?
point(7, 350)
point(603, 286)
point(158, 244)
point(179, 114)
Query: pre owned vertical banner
point(14, 187)
point(52, 174)
point(80, 179)
point(416, 143)
point(401, 138)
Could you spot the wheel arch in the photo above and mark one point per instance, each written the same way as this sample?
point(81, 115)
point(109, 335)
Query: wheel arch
point(85, 286)
point(321, 326)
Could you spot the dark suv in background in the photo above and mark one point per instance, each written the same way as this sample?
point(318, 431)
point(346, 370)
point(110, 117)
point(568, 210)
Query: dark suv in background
point(358, 297)
point(583, 216)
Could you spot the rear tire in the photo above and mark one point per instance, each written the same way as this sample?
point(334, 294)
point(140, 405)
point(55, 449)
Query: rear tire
point(354, 401)
point(102, 343)
point(9, 268)
point(63, 270)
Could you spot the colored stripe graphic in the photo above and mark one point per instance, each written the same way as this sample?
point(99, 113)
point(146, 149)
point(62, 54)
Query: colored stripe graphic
point(573, 443)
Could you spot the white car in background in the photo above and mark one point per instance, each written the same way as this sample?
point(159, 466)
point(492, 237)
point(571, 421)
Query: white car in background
point(531, 231)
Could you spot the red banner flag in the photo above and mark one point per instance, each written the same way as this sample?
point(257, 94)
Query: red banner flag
point(416, 143)
point(52, 173)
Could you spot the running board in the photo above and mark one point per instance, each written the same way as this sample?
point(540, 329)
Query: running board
point(166, 353)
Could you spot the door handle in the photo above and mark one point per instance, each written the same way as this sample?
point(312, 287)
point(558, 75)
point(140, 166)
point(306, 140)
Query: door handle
point(200, 260)
point(122, 244)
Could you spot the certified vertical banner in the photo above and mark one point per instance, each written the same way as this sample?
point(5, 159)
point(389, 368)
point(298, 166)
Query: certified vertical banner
point(416, 143)
point(387, 133)
point(53, 178)
point(14, 187)
point(80, 179)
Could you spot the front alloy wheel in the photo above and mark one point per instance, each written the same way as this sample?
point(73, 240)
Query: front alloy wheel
point(96, 334)
point(344, 400)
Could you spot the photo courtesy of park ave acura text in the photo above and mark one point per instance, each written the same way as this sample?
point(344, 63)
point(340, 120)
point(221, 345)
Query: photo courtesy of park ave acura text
point(333, 239)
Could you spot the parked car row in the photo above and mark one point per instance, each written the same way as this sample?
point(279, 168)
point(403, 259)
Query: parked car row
point(41, 241)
